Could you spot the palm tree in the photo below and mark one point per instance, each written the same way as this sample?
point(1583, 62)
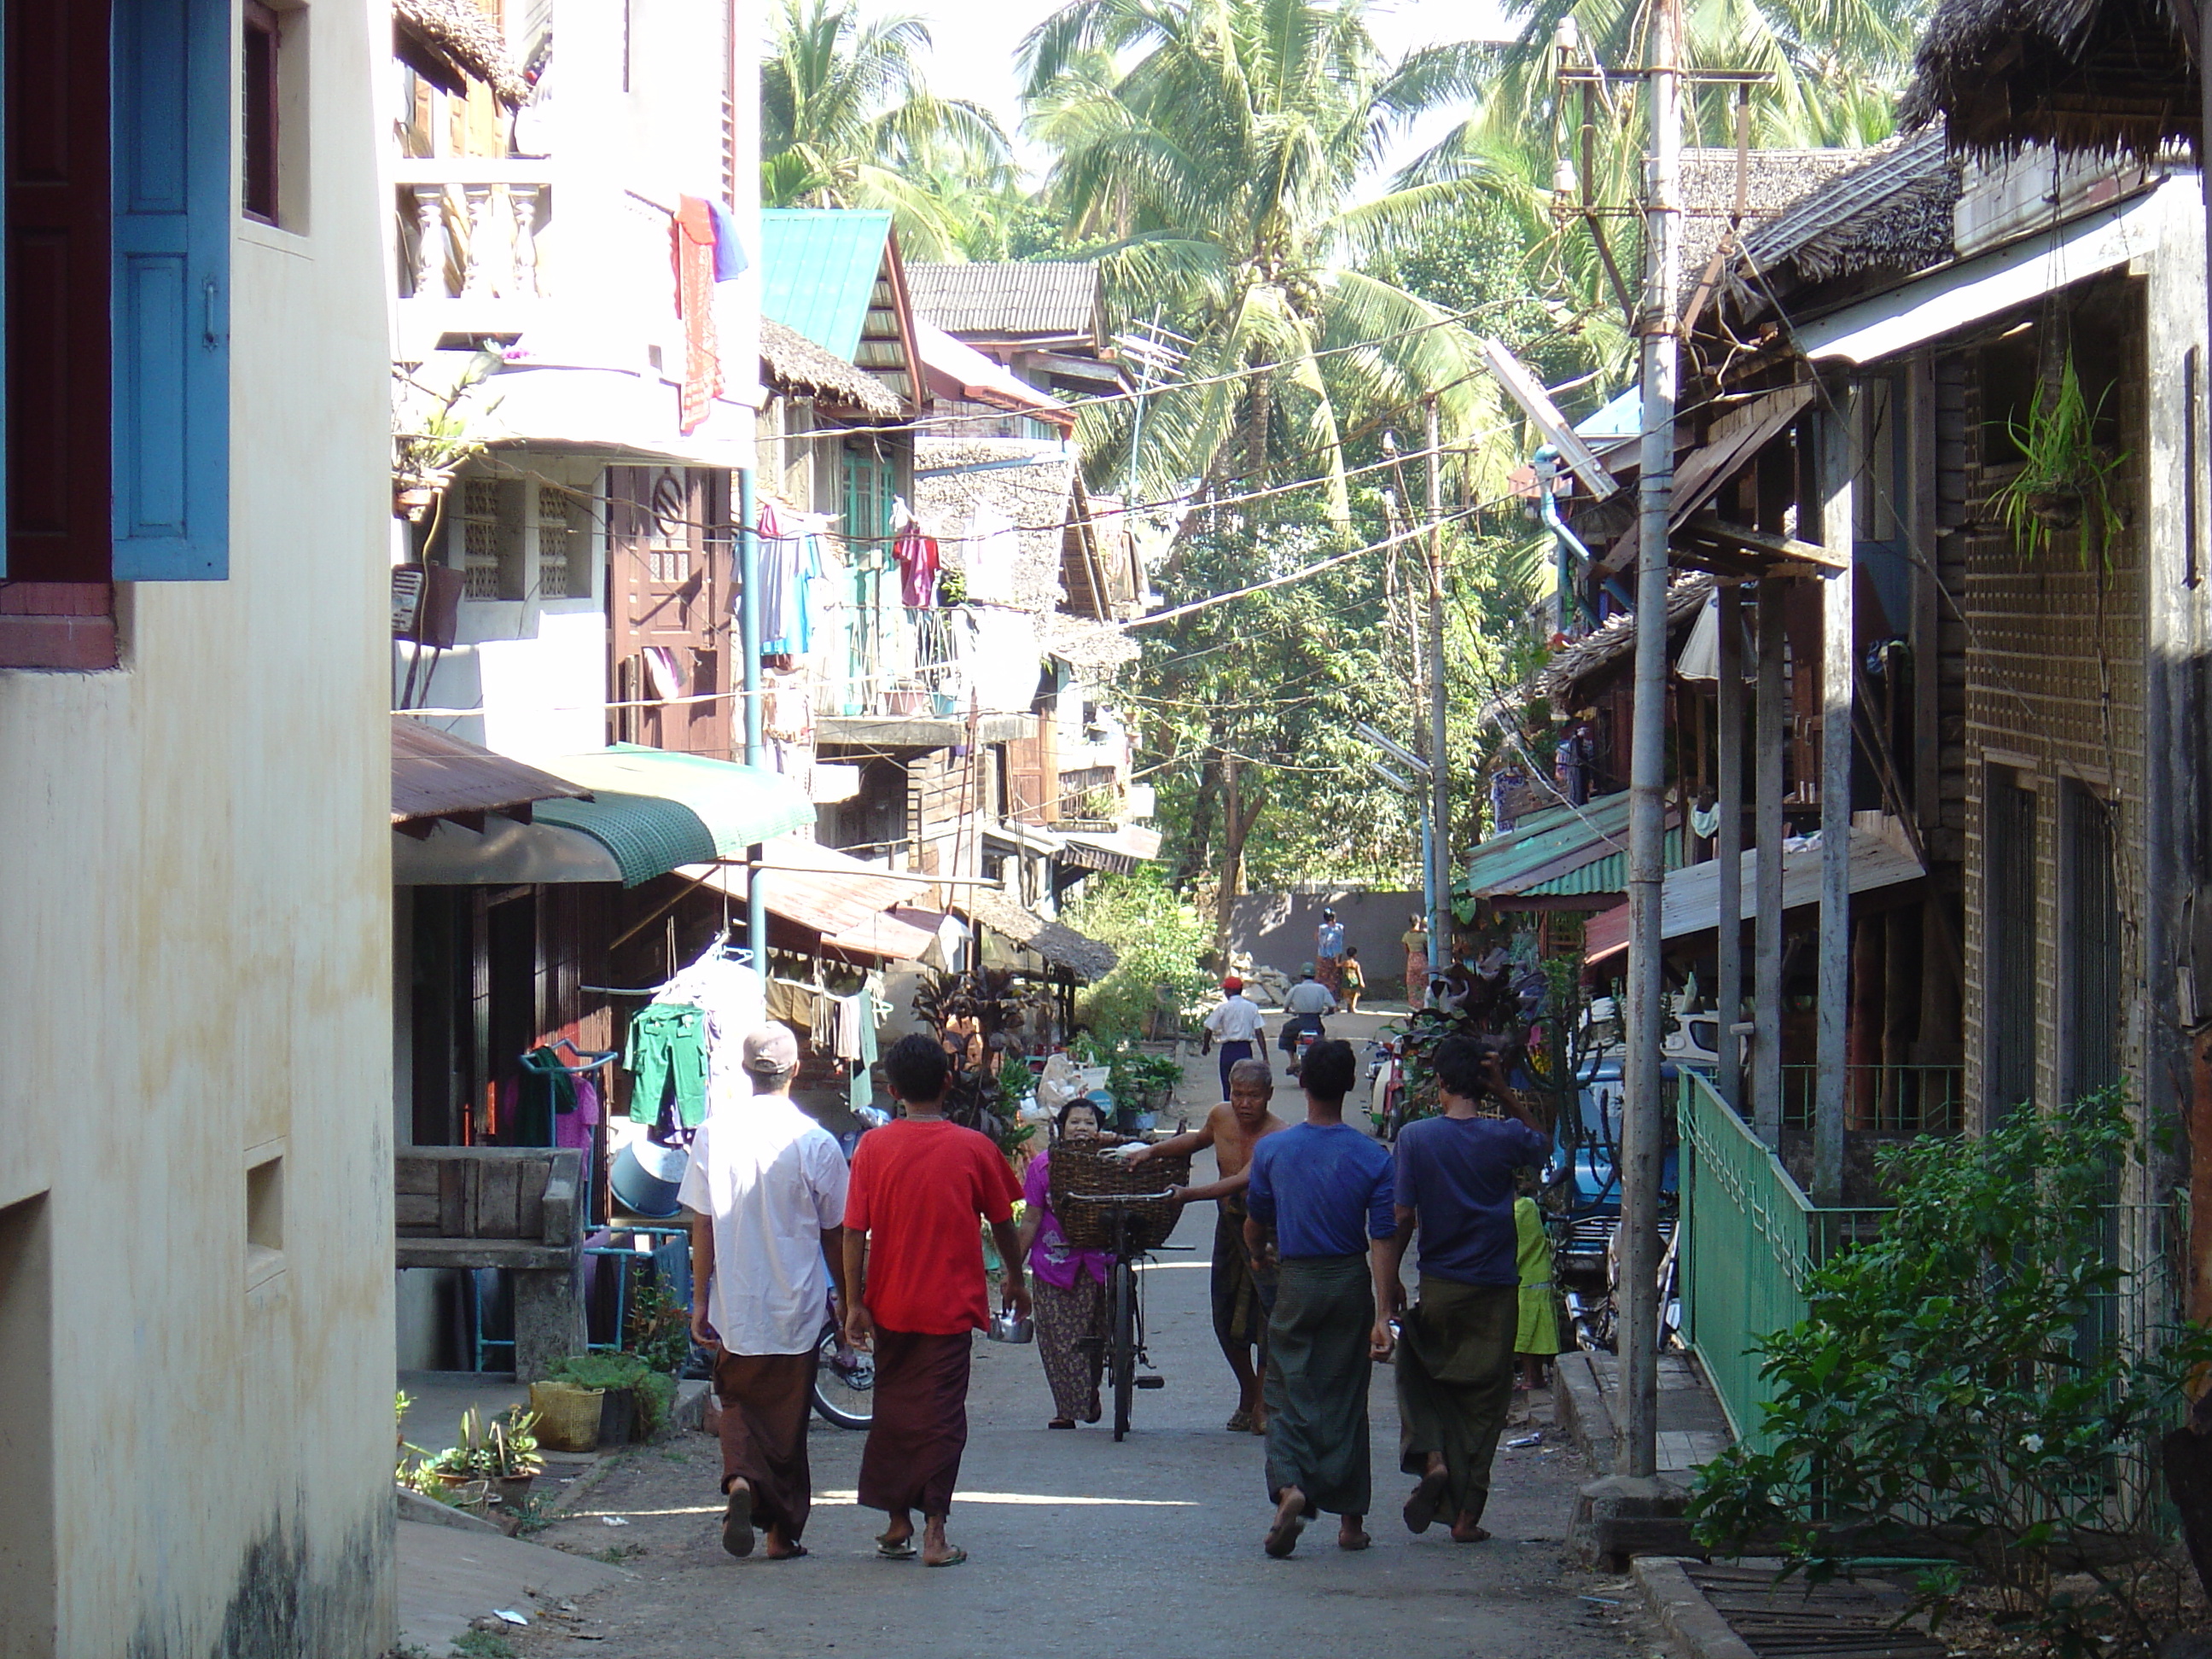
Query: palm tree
point(1211, 155)
point(847, 121)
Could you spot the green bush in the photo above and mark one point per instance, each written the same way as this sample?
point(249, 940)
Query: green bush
point(655, 1390)
point(1160, 939)
point(1963, 1388)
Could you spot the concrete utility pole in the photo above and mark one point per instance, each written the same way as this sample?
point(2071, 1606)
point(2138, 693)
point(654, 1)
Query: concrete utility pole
point(1440, 800)
point(1645, 1108)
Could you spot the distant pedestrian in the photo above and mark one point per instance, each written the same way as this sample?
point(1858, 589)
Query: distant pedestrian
point(914, 1264)
point(1236, 1025)
point(1355, 980)
point(1328, 953)
point(1536, 1339)
point(1416, 941)
point(1321, 1190)
point(1455, 1185)
point(1243, 1290)
point(1068, 1283)
point(766, 1187)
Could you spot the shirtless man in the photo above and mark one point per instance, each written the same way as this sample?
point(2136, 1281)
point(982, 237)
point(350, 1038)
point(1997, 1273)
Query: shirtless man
point(1240, 1297)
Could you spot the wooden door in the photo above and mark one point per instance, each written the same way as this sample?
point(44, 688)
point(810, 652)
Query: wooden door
point(668, 603)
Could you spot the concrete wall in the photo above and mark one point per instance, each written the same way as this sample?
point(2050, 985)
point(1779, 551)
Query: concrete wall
point(195, 1177)
point(1277, 929)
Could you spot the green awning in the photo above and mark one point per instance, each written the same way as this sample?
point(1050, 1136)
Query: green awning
point(656, 811)
point(1562, 851)
point(647, 836)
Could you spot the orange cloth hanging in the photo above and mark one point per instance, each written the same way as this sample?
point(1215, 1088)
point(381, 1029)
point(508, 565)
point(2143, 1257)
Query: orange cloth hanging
point(692, 236)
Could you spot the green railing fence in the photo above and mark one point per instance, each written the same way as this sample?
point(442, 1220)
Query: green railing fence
point(1887, 1100)
point(1750, 1237)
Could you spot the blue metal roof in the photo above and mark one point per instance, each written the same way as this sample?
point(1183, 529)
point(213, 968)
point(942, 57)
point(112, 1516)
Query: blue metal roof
point(819, 270)
point(1620, 419)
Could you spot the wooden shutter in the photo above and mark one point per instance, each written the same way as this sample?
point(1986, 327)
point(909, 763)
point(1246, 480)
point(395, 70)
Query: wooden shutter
point(172, 289)
point(57, 294)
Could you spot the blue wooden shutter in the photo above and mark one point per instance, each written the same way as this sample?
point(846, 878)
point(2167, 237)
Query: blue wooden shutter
point(172, 289)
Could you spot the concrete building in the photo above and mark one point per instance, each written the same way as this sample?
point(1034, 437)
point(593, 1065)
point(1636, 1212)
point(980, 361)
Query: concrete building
point(195, 1178)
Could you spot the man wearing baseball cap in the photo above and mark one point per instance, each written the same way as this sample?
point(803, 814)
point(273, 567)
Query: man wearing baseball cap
point(766, 1189)
point(1236, 1025)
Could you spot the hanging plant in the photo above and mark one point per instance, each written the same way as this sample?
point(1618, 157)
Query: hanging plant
point(2065, 479)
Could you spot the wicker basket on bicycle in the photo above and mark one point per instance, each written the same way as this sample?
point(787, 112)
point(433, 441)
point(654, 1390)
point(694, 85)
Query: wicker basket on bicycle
point(1081, 1175)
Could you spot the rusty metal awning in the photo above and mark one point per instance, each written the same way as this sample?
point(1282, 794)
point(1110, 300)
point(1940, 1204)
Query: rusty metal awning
point(435, 775)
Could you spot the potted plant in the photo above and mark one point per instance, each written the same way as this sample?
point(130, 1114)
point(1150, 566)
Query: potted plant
point(2065, 479)
point(511, 1460)
point(637, 1399)
point(436, 443)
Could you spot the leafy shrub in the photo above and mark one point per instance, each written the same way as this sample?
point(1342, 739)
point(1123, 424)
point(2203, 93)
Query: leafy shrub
point(655, 1390)
point(1960, 1389)
point(1160, 939)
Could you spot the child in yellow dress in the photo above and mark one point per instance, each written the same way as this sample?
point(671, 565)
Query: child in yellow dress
point(1537, 1341)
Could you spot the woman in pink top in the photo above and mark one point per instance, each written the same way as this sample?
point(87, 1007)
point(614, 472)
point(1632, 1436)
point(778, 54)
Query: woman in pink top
point(1070, 1284)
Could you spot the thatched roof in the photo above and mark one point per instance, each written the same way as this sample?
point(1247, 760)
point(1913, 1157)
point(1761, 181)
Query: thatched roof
point(792, 363)
point(1891, 212)
point(452, 42)
point(1057, 943)
point(1617, 637)
point(1031, 481)
point(1773, 180)
point(2101, 75)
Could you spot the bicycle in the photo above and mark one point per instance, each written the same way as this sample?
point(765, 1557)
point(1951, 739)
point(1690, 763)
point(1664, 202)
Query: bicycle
point(1124, 1341)
point(844, 1378)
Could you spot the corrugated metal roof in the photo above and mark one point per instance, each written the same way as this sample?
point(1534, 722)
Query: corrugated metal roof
point(818, 271)
point(1547, 846)
point(435, 775)
point(1607, 875)
point(740, 805)
point(1044, 297)
point(834, 893)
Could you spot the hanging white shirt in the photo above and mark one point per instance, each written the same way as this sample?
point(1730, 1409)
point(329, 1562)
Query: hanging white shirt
point(770, 1179)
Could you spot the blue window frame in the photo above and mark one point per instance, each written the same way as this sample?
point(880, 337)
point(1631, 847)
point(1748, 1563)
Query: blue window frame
point(118, 160)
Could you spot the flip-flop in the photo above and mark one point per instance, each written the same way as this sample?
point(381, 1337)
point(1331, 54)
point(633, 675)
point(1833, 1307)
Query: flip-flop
point(1283, 1536)
point(901, 1551)
point(1421, 1508)
point(1061, 1423)
point(951, 1560)
point(796, 1553)
point(1240, 1422)
point(737, 1523)
point(1357, 1542)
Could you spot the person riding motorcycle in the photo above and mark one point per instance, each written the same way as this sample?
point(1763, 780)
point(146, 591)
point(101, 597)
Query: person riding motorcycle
point(1302, 1006)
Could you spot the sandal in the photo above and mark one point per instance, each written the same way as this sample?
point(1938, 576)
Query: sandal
point(1421, 1507)
point(951, 1560)
point(1239, 1421)
point(738, 1521)
point(1061, 1423)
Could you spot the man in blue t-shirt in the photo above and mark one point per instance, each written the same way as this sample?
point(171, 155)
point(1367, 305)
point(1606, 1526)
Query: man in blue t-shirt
point(1320, 1192)
point(1454, 1354)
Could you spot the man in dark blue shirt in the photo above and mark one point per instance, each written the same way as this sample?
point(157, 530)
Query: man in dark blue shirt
point(1454, 1356)
point(1320, 1192)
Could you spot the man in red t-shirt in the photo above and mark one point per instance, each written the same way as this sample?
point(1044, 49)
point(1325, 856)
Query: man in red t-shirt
point(916, 1266)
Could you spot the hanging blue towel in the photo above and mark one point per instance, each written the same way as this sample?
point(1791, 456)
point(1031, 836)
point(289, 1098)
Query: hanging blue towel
point(729, 253)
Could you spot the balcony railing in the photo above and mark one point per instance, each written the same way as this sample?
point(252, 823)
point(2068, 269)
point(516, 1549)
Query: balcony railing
point(470, 233)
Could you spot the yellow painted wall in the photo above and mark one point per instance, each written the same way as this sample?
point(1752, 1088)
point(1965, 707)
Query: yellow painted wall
point(195, 964)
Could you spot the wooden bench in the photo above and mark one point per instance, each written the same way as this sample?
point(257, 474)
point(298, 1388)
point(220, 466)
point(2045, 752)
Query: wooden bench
point(513, 1207)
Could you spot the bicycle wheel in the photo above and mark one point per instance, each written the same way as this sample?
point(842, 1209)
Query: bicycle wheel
point(1123, 1355)
point(844, 1382)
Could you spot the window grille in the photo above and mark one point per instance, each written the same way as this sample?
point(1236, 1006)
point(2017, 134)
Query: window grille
point(561, 544)
point(491, 540)
point(2092, 956)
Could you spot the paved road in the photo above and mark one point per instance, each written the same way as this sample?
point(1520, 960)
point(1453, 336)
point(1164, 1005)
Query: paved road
point(1081, 1548)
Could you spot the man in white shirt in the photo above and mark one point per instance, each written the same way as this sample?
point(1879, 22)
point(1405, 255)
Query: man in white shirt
point(1236, 1025)
point(1304, 1004)
point(766, 1189)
